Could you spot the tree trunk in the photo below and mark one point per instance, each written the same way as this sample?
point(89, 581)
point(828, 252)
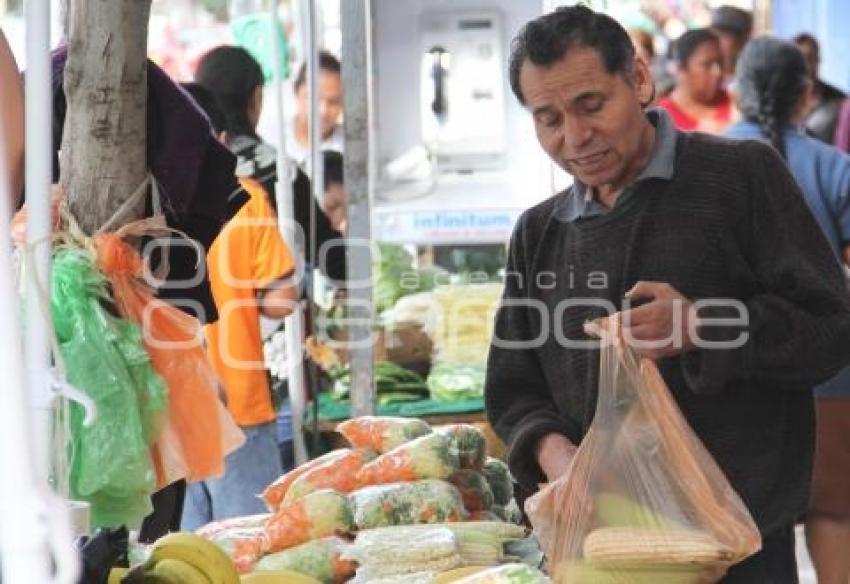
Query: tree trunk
point(104, 149)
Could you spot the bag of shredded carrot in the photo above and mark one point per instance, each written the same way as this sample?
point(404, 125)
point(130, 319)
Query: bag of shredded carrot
point(643, 501)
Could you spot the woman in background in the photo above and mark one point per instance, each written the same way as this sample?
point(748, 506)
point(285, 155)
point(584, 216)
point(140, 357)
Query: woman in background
point(772, 87)
point(698, 101)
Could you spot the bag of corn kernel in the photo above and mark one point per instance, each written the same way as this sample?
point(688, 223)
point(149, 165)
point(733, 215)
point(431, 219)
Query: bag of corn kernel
point(644, 501)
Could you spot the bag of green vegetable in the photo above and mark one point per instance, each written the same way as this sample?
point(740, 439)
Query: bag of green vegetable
point(321, 559)
point(453, 382)
point(499, 477)
point(393, 384)
point(474, 490)
point(470, 443)
point(427, 501)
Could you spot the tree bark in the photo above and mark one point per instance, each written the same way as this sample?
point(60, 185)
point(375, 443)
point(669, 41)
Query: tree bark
point(104, 149)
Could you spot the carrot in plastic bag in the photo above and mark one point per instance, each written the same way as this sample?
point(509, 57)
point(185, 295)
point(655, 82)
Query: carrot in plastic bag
point(243, 546)
point(210, 530)
point(339, 474)
point(427, 457)
point(381, 433)
point(199, 432)
point(316, 515)
point(274, 494)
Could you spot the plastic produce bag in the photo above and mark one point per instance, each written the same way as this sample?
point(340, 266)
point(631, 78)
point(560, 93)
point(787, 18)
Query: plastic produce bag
point(245, 522)
point(643, 501)
point(473, 487)
point(105, 358)
point(320, 514)
point(339, 474)
point(428, 501)
point(381, 433)
point(499, 478)
point(321, 559)
point(274, 494)
point(242, 545)
point(199, 432)
point(508, 574)
point(427, 457)
point(470, 443)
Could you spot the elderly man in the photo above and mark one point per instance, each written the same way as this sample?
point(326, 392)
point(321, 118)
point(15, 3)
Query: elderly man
point(664, 219)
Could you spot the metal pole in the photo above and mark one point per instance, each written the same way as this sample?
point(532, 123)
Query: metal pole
point(286, 223)
point(25, 556)
point(39, 145)
point(357, 80)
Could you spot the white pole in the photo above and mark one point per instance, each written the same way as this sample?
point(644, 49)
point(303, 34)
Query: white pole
point(286, 223)
point(38, 179)
point(23, 526)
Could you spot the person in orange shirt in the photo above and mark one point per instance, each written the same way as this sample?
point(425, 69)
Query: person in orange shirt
point(251, 273)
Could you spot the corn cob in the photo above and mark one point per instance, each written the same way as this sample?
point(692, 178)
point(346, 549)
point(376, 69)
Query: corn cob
point(632, 545)
point(505, 532)
point(480, 554)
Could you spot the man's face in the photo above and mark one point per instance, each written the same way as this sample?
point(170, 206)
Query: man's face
point(590, 122)
point(702, 77)
point(330, 101)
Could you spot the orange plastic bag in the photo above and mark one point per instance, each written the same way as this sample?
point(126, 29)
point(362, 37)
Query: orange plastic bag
point(644, 501)
point(199, 432)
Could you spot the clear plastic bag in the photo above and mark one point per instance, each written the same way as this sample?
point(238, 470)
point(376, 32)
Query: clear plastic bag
point(643, 501)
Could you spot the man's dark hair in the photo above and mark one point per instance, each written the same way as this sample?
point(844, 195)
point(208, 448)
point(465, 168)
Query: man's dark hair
point(327, 62)
point(686, 45)
point(233, 76)
point(805, 38)
point(547, 39)
point(333, 165)
point(733, 20)
point(206, 100)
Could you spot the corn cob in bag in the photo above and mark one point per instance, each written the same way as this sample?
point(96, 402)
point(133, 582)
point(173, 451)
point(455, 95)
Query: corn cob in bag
point(644, 501)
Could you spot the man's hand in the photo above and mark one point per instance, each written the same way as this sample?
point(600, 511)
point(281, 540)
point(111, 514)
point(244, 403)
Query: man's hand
point(664, 326)
point(555, 455)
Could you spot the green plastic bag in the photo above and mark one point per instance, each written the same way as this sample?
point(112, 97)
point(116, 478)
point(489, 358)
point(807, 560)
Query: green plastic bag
point(104, 357)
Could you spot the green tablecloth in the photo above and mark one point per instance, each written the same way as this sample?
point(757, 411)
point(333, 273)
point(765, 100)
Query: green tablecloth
point(330, 409)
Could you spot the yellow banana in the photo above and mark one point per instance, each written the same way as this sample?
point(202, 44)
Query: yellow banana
point(177, 572)
point(278, 577)
point(116, 574)
point(196, 551)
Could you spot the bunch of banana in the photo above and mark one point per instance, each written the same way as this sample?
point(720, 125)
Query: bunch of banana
point(278, 577)
point(184, 558)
